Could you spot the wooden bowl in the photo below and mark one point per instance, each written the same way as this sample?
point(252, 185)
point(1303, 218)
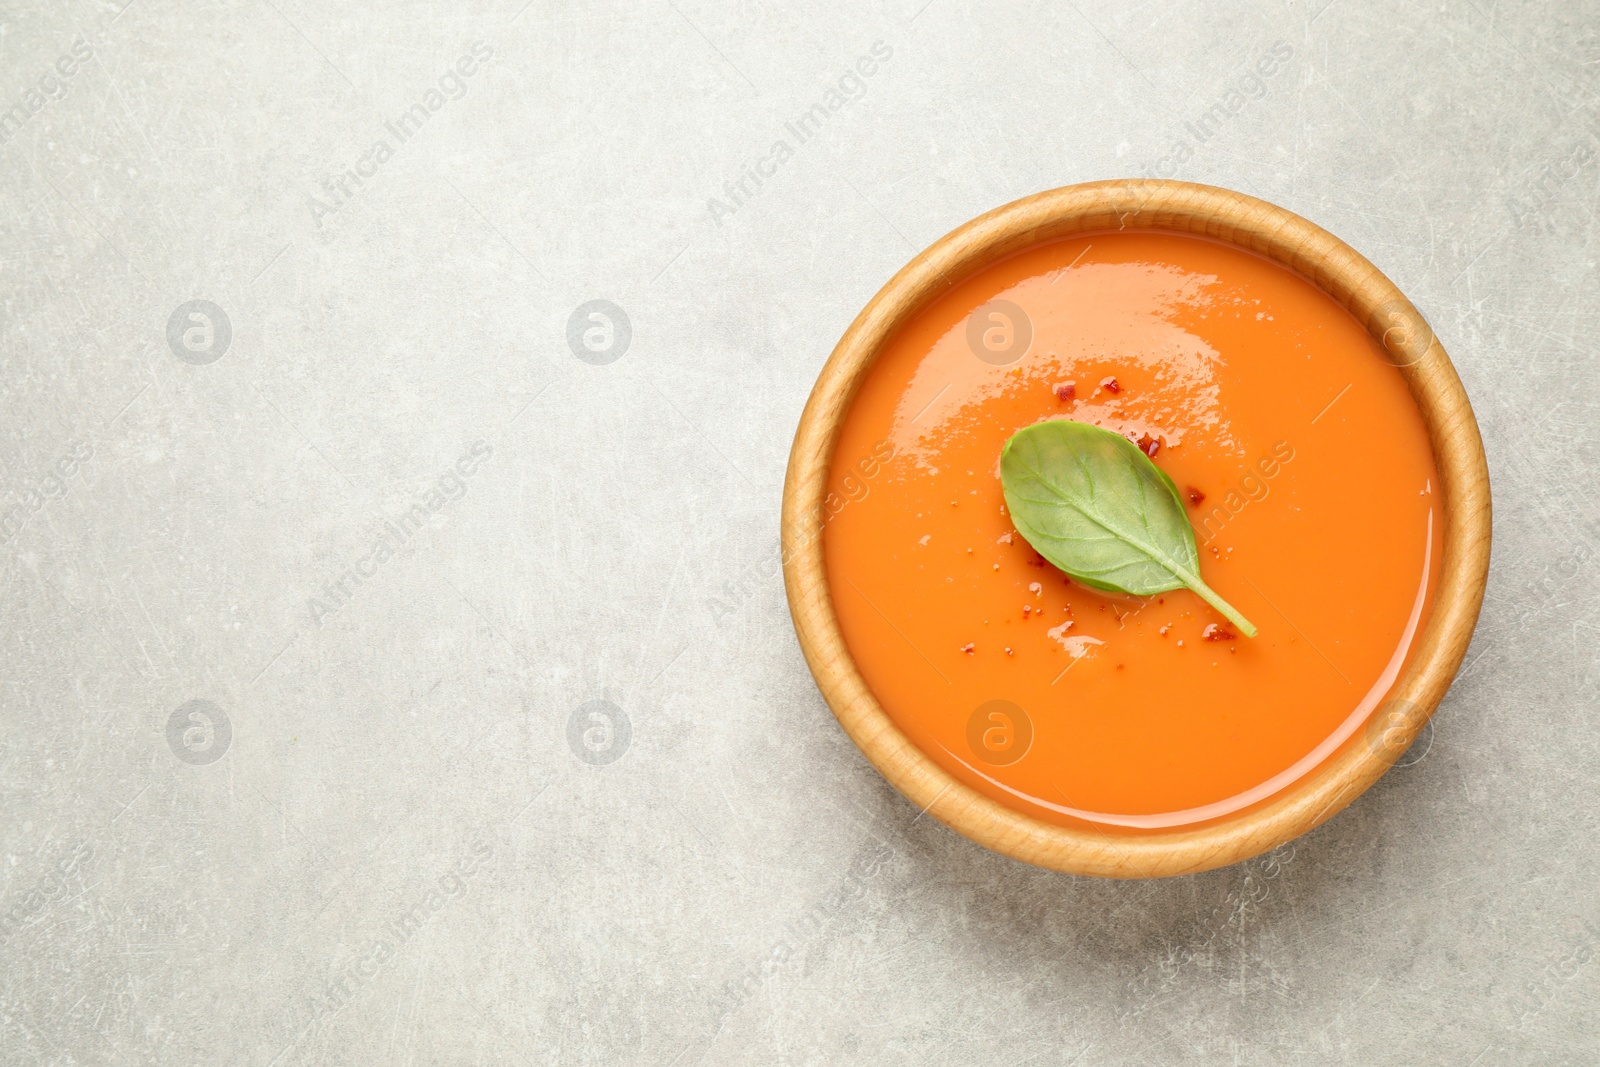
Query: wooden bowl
point(1336, 269)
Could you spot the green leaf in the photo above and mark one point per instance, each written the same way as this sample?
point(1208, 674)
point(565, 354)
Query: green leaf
point(1089, 501)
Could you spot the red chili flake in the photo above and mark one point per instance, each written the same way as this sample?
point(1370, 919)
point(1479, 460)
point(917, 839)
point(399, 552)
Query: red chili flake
point(1110, 385)
point(1196, 497)
point(1213, 632)
point(1066, 391)
point(969, 648)
point(1149, 445)
point(1036, 561)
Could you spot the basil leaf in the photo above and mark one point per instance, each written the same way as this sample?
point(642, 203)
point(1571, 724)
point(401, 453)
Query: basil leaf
point(1089, 501)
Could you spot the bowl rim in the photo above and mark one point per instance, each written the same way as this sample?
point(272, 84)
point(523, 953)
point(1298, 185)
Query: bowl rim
point(1334, 268)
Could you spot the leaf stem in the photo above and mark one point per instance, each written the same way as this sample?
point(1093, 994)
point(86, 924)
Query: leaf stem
point(1209, 595)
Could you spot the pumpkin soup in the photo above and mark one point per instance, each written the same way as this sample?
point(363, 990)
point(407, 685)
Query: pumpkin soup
point(1295, 452)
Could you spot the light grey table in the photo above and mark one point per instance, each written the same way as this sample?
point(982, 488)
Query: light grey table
point(370, 508)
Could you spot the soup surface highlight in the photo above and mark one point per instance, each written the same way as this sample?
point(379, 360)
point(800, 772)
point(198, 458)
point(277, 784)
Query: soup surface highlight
point(1307, 475)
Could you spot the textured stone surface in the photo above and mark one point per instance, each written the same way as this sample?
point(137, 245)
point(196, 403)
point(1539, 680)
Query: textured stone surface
point(399, 857)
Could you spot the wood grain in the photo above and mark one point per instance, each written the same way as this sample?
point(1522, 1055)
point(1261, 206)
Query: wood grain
point(1347, 277)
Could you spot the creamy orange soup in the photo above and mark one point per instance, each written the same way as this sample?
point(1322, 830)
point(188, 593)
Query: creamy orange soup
point(1310, 484)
